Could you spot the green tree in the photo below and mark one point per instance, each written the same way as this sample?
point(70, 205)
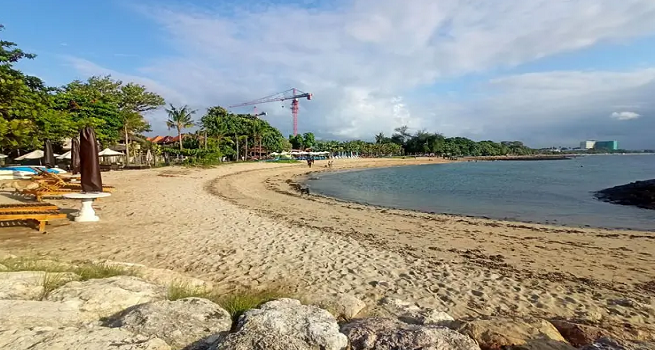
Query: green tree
point(308, 140)
point(297, 142)
point(180, 119)
point(133, 100)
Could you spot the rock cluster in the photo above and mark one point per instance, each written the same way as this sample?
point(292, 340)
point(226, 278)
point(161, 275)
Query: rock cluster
point(130, 313)
point(640, 194)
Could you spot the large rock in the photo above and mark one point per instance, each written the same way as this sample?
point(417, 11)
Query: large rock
point(179, 322)
point(107, 296)
point(161, 276)
point(497, 334)
point(29, 285)
point(578, 334)
point(612, 344)
point(340, 305)
point(30, 313)
point(99, 338)
point(392, 334)
point(412, 313)
point(285, 324)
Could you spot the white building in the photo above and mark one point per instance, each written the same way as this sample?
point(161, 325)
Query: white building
point(589, 144)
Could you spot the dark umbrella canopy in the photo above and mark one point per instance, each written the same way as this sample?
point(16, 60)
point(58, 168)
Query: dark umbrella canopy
point(89, 162)
point(75, 156)
point(49, 155)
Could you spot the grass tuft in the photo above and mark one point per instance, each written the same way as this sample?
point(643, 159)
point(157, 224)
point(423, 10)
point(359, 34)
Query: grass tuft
point(52, 281)
point(238, 302)
point(234, 302)
point(86, 270)
point(178, 290)
point(24, 264)
point(89, 271)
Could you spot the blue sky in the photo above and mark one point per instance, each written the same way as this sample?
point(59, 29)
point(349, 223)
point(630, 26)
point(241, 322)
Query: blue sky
point(548, 72)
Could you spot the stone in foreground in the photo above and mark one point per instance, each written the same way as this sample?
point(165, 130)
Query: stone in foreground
point(341, 305)
point(496, 334)
point(606, 343)
point(285, 324)
point(28, 285)
point(392, 334)
point(99, 338)
point(179, 323)
point(578, 334)
point(412, 313)
point(30, 313)
point(107, 296)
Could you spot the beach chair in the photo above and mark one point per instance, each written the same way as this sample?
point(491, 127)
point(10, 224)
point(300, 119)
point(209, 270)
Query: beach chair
point(51, 184)
point(39, 213)
point(27, 207)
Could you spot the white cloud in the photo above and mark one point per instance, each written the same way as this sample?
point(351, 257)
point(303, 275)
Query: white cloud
point(625, 115)
point(363, 59)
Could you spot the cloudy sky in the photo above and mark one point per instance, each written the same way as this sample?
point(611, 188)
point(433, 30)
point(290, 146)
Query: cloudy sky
point(548, 72)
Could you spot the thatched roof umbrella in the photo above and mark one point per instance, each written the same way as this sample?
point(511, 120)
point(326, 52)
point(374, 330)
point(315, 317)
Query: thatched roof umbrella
point(89, 162)
point(48, 155)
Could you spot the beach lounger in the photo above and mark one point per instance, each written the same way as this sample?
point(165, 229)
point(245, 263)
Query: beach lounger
point(63, 181)
point(27, 207)
point(39, 216)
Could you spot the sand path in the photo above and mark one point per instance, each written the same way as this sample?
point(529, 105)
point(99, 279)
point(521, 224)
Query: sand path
point(236, 225)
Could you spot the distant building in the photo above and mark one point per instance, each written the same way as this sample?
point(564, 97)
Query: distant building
point(607, 145)
point(589, 144)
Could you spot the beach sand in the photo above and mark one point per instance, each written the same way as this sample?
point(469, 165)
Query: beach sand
point(242, 225)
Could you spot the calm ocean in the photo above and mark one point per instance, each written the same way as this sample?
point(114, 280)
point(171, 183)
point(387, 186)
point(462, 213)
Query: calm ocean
point(555, 192)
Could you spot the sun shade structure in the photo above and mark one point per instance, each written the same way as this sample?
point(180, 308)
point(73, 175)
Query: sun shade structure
point(38, 154)
point(66, 155)
point(109, 153)
point(89, 162)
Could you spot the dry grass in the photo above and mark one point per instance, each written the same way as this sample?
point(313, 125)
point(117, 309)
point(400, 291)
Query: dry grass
point(89, 271)
point(86, 270)
point(235, 302)
point(52, 281)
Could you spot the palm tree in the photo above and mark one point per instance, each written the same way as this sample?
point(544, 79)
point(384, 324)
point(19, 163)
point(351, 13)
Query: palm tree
point(179, 118)
point(132, 123)
point(258, 130)
point(379, 138)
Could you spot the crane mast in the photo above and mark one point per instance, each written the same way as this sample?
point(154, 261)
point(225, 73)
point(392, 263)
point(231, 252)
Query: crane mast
point(292, 94)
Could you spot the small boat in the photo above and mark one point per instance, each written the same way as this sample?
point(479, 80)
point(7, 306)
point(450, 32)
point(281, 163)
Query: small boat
point(21, 172)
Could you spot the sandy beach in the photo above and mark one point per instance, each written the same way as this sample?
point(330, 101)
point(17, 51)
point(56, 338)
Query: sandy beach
point(244, 225)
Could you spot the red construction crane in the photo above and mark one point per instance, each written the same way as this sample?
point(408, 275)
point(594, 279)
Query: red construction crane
point(291, 94)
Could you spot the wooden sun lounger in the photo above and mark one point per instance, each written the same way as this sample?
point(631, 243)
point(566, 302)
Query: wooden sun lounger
point(54, 182)
point(27, 207)
point(39, 193)
point(42, 217)
point(78, 187)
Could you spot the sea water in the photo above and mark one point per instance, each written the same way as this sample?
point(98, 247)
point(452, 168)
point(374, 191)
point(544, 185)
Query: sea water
point(559, 192)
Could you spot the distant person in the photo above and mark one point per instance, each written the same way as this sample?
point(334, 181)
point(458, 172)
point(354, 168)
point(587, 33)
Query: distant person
point(309, 162)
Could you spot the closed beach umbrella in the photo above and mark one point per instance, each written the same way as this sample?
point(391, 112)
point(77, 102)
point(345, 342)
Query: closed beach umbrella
point(75, 156)
point(89, 162)
point(49, 155)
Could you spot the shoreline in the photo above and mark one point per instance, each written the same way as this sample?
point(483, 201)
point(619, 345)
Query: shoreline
point(303, 179)
point(242, 225)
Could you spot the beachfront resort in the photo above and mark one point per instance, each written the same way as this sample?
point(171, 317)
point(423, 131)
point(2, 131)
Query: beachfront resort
point(224, 234)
